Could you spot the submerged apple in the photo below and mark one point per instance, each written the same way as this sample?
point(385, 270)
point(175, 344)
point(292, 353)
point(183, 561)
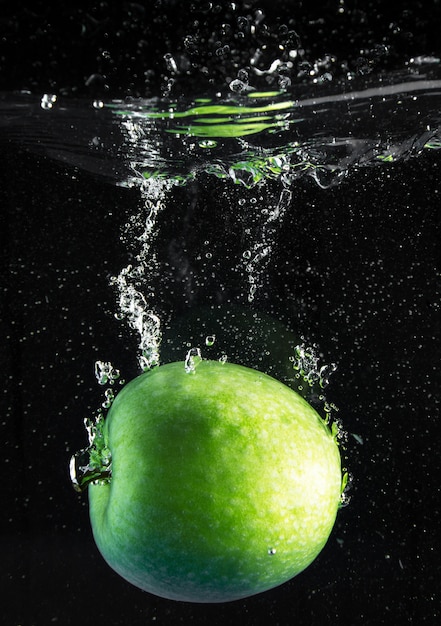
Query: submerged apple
point(225, 483)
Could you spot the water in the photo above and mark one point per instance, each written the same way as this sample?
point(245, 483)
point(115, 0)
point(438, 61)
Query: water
point(321, 131)
point(286, 223)
point(319, 235)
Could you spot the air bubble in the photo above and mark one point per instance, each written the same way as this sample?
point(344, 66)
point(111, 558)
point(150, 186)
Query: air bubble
point(306, 364)
point(191, 44)
point(48, 100)
point(237, 86)
point(259, 16)
point(209, 340)
point(251, 293)
point(94, 463)
point(242, 75)
point(105, 373)
point(109, 398)
point(170, 63)
point(284, 82)
point(207, 143)
point(192, 360)
point(223, 51)
point(242, 23)
point(132, 281)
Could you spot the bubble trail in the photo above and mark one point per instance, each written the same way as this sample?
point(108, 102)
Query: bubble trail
point(133, 280)
point(257, 257)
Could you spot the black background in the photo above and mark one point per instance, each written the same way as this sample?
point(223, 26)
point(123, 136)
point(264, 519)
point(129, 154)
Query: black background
point(371, 301)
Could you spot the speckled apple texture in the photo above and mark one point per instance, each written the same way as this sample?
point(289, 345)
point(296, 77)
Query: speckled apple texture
point(225, 483)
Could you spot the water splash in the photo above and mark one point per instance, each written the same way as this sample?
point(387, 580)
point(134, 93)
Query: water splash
point(261, 136)
point(257, 256)
point(346, 486)
point(322, 132)
point(306, 362)
point(105, 373)
point(94, 463)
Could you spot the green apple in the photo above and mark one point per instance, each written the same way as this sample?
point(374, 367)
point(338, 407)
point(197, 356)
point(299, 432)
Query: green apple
point(225, 483)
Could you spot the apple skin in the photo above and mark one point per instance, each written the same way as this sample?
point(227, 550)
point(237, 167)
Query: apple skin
point(225, 483)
